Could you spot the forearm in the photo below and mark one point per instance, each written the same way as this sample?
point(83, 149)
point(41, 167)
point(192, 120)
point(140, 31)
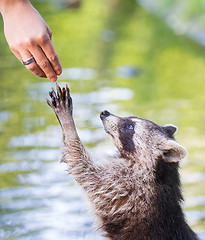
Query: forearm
point(75, 155)
point(7, 5)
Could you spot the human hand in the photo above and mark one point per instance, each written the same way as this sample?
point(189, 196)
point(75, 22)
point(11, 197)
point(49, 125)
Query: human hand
point(29, 36)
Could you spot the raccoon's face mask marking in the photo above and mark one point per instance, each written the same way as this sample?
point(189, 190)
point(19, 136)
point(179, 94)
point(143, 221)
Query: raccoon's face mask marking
point(121, 130)
point(141, 137)
point(126, 130)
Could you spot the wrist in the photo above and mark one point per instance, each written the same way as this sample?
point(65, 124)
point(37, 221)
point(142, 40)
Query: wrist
point(7, 5)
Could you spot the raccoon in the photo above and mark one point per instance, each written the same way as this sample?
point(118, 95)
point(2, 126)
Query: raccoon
point(137, 194)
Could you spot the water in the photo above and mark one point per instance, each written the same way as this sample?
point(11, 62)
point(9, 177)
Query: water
point(185, 17)
point(119, 58)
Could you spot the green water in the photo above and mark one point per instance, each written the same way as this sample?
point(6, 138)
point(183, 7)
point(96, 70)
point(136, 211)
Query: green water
point(115, 56)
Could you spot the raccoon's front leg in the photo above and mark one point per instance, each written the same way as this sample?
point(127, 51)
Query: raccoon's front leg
point(74, 152)
point(63, 108)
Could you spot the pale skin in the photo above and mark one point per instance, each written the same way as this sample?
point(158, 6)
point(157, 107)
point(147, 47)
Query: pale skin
point(28, 35)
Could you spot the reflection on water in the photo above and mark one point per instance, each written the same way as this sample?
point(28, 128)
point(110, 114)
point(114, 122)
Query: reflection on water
point(127, 71)
point(129, 63)
point(184, 18)
point(4, 116)
point(194, 177)
point(47, 138)
point(78, 74)
point(107, 35)
point(48, 218)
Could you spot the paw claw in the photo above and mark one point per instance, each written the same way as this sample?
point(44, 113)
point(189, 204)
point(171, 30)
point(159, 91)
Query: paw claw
point(51, 94)
point(63, 94)
point(60, 99)
point(59, 93)
point(49, 103)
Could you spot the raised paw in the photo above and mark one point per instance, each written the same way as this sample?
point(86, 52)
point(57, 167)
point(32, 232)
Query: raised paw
point(61, 101)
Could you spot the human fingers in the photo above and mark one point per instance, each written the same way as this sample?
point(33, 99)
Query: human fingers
point(44, 63)
point(51, 55)
point(33, 66)
point(49, 32)
point(17, 54)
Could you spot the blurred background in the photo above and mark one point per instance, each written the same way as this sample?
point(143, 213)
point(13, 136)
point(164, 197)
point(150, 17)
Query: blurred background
point(143, 58)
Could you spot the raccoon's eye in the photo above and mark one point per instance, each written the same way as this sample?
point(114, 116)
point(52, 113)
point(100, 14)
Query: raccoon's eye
point(130, 127)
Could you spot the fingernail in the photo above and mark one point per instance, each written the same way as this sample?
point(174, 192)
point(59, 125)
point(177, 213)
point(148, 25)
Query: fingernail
point(53, 79)
point(58, 72)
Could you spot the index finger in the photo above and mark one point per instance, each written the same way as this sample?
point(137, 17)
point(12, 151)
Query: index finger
point(51, 55)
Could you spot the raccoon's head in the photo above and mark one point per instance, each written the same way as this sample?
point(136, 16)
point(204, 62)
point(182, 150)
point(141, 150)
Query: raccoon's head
point(142, 139)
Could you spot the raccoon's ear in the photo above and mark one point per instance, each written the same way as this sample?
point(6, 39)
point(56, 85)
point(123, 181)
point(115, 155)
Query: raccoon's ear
point(173, 152)
point(170, 129)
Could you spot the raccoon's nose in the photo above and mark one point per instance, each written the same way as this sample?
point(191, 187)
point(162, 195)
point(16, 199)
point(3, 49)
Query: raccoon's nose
point(104, 114)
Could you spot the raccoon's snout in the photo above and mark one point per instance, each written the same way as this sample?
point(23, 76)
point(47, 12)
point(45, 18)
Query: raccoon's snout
point(104, 114)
